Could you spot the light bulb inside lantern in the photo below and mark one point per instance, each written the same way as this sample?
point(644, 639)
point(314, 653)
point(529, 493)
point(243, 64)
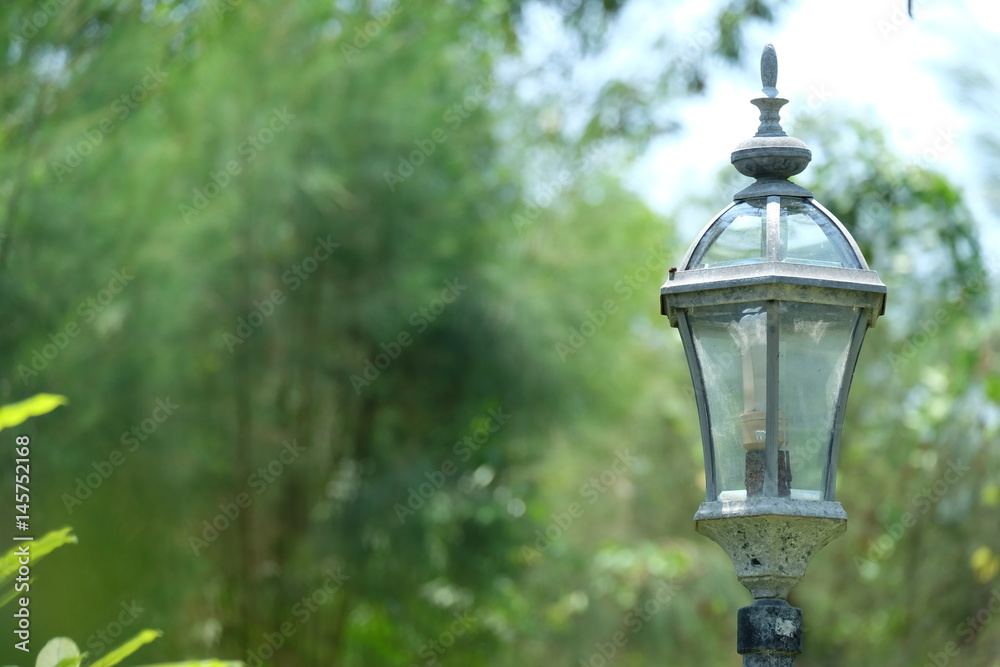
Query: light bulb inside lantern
point(750, 336)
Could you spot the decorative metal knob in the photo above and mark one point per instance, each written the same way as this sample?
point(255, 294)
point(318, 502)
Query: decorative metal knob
point(769, 70)
point(770, 156)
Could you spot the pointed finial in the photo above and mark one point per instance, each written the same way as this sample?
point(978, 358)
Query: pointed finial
point(769, 71)
point(770, 156)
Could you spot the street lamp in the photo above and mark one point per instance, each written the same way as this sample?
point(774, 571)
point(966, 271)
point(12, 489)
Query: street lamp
point(772, 302)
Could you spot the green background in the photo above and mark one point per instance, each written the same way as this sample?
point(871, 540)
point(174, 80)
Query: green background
point(508, 485)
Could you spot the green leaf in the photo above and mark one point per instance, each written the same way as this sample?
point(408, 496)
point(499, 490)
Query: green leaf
point(71, 662)
point(38, 548)
point(128, 648)
point(40, 404)
point(59, 652)
point(201, 663)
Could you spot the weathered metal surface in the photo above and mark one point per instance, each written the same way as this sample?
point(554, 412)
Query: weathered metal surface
point(771, 539)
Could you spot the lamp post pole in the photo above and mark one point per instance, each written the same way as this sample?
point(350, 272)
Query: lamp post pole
point(772, 302)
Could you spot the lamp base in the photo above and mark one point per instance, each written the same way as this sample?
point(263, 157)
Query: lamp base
point(771, 540)
point(769, 634)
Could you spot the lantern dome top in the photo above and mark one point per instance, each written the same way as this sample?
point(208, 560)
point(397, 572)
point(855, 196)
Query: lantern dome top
point(778, 229)
point(775, 241)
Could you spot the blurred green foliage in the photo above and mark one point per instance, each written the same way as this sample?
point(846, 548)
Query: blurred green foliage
point(366, 355)
point(57, 651)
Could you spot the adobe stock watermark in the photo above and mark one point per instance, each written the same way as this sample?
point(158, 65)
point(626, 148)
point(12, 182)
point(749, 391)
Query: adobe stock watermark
point(302, 611)
point(701, 39)
point(635, 620)
point(419, 319)
point(944, 139)
point(897, 19)
point(120, 110)
point(88, 309)
point(418, 495)
point(364, 35)
point(929, 327)
point(550, 191)
point(105, 638)
point(163, 408)
point(257, 482)
point(247, 152)
point(432, 651)
point(294, 277)
point(547, 194)
point(221, 7)
point(591, 491)
point(874, 212)
point(880, 548)
point(967, 629)
point(595, 319)
point(38, 19)
point(453, 117)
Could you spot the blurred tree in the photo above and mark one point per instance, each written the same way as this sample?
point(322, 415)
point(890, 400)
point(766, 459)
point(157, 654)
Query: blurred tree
point(356, 296)
point(322, 347)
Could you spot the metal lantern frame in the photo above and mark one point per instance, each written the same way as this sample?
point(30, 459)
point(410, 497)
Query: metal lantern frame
point(771, 281)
